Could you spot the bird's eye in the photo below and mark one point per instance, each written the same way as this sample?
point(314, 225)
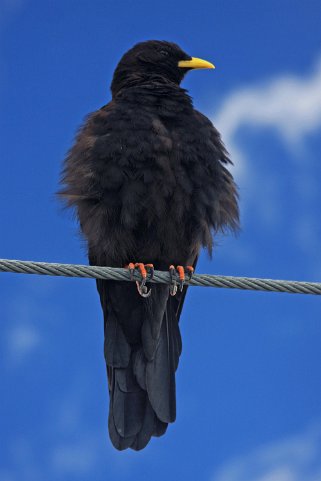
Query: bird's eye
point(164, 53)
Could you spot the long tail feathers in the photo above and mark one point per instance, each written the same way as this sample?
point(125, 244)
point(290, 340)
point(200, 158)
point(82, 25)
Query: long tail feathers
point(141, 367)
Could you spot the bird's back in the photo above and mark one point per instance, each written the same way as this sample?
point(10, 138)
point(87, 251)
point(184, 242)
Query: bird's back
point(149, 170)
point(147, 177)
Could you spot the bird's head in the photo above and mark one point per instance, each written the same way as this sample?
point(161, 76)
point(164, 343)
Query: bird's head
point(154, 60)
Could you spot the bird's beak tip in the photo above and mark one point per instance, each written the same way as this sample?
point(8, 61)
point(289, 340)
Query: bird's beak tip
point(195, 63)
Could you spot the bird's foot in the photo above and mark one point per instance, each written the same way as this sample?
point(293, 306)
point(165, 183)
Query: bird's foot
point(144, 270)
point(178, 277)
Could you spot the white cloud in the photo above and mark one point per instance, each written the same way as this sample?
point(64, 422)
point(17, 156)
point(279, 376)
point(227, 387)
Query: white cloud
point(297, 458)
point(11, 7)
point(23, 337)
point(288, 104)
point(6, 476)
point(75, 458)
point(22, 340)
point(28, 315)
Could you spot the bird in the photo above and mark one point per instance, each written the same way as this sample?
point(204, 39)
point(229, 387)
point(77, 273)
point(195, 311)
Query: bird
point(149, 181)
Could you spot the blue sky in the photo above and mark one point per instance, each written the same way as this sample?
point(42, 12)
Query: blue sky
point(248, 384)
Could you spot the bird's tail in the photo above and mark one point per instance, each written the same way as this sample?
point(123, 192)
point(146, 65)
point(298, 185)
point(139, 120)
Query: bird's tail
point(142, 352)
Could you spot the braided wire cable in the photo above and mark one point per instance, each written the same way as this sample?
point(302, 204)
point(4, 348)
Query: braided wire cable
point(122, 274)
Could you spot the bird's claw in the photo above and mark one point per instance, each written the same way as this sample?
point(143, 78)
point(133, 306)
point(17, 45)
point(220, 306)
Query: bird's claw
point(143, 269)
point(131, 268)
point(173, 285)
point(180, 273)
point(190, 272)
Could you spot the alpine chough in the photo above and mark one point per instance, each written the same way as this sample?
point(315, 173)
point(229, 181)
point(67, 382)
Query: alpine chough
point(147, 175)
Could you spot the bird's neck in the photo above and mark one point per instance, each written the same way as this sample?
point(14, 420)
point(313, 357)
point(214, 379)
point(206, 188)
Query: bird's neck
point(123, 80)
point(153, 90)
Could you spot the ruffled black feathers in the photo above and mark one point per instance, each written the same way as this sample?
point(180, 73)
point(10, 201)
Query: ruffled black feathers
point(148, 178)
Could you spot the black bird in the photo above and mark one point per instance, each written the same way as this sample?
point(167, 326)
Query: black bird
point(148, 178)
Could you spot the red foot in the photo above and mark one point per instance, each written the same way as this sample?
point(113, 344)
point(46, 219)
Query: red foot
point(180, 271)
point(141, 287)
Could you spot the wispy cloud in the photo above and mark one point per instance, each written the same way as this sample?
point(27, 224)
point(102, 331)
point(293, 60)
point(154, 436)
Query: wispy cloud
point(27, 312)
point(22, 340)
point(296, 458)
point(10, 7)
point(287, 107)
point(76, 458)
point(22, 335)
point(288, 104)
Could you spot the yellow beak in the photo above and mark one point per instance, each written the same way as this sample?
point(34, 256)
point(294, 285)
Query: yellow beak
point(195, 63)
